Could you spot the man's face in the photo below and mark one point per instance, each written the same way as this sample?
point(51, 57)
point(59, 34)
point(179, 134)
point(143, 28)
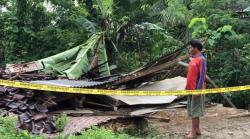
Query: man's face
point(192, 50)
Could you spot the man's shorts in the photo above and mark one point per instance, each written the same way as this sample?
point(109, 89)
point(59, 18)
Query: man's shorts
point(196, 106)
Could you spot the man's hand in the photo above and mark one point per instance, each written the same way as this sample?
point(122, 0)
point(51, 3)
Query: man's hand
point(197, 95)
point(183, 57)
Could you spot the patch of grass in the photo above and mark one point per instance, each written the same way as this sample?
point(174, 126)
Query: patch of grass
point(61, 122)
point(97, 133)
point(149, 133)
point(8, 130)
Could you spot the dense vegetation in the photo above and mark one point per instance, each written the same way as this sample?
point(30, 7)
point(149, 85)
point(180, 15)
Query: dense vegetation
point(136, 31)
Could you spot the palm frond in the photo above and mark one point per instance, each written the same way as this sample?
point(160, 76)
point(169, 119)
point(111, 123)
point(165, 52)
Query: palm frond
point(91, 27)
point(157, 7)
point(106, 7)
point(176, 13)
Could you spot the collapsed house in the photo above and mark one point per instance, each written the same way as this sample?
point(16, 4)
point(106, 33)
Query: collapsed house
point(34, 107)
point(86, 66)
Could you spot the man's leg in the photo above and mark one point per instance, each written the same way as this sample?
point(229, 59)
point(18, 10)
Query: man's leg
point(196, 125)
point(195, 128)
point(195, 110)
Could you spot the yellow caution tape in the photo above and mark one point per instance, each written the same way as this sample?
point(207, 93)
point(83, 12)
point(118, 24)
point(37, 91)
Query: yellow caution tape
point(61, 89)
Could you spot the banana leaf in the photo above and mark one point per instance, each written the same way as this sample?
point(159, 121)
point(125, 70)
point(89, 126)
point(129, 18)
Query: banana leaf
point(102, 58)
point(76, 61)
point(58, 58)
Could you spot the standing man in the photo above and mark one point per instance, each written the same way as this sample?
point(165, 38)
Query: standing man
point(196, 80)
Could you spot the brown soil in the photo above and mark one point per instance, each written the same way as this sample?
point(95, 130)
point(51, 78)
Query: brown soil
point(215, 124)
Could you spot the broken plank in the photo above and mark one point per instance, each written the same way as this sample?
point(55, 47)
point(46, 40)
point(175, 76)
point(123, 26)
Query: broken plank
point(159, 118)
point(245, 114)
point(145, 111)
point(85, 111)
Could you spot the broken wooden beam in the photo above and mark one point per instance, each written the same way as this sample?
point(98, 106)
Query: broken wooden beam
point(159, 118)
point(152, 70)
point(245, 114)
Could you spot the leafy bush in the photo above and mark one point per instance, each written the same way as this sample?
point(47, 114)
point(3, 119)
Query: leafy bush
point(8, 130)
point(97, 133)
point(61, 122)
point(149, 133)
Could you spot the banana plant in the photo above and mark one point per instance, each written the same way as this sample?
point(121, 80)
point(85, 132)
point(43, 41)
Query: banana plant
point(75, 62)
point(78, 60)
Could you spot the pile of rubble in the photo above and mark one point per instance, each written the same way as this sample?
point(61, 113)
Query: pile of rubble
point(30, 108)
point(34, 108)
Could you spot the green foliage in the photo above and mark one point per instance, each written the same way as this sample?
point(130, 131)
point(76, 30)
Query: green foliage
point(127, 62)
point(149, 133)
point(98, 133)
point(8, 130)
point(61, 122)
point(29, 28)
point(241, 99)
point(147, 41)
point(228, 64)
point(106, 7)
point(103, 59)
point(198, 26)
point(76, 61)
point(226, 31)
point(175, 13)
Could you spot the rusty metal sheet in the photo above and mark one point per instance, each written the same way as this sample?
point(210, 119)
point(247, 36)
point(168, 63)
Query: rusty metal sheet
point(78, 124)
point(22, 68)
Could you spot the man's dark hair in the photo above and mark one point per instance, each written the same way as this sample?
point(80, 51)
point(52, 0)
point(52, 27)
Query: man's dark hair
point(196, 44)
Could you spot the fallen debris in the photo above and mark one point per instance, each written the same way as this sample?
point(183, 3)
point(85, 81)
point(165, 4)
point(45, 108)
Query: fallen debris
point(74, 112)
point(35, 108)
point(177, 83)
point(31, 112)
point(78, 124)
point(159, 118)
point(145, 111)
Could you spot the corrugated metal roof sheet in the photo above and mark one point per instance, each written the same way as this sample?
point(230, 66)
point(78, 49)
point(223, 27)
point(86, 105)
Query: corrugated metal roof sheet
point(177, 83)
point(80, 83)
point(139, 100)
point(70, 83)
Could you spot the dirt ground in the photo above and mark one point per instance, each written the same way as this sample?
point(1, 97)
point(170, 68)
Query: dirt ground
point(215, 124)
